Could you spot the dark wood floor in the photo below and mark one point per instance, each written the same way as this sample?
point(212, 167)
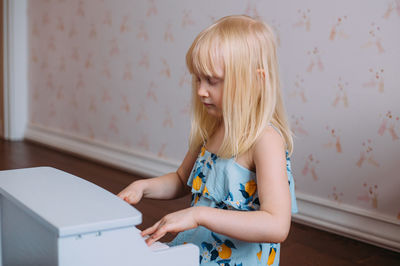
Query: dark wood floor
point(304, 246)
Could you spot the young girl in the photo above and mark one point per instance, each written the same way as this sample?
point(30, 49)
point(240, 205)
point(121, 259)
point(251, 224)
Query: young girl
point(237, 167)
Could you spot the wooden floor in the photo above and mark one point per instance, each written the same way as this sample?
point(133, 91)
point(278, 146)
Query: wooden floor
point(304, 246)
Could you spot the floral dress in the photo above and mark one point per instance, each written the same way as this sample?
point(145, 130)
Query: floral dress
point(223, 183)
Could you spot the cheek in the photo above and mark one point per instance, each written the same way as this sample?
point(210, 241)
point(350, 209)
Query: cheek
point(220, 102)
point(220, 97)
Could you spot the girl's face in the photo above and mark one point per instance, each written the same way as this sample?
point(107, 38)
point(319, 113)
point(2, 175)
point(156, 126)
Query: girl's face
point(210, 90)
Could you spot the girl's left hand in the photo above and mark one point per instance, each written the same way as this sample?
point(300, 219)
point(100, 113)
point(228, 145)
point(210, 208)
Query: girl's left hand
point(174, 223)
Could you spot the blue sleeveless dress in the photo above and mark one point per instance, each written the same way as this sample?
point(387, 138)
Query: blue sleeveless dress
point(223, 183)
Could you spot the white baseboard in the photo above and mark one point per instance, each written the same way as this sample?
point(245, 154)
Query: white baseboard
point(349, 221)
point(140, 162)
point(317, 212)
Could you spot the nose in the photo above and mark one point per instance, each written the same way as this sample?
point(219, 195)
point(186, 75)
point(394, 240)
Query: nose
point(202, 90)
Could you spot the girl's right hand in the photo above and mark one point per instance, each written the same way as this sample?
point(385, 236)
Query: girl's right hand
point(132, 193)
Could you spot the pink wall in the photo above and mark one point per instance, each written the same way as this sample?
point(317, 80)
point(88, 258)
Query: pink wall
point(113, 71)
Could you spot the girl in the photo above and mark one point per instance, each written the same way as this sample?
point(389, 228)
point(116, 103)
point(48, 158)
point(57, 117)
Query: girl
point(237, 167)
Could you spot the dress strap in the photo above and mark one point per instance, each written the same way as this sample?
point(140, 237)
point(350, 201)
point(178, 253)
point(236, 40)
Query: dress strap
point(276, 129)
point(280, 133)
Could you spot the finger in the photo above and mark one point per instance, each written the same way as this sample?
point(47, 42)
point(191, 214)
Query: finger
point(130, 198)
point(151, 229)
point(125, 196)
point(122, 194)
point(150, 241)
point(127, 199)
point(156, 236)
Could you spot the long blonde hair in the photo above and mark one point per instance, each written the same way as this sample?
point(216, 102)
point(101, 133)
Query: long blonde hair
point(251, 92)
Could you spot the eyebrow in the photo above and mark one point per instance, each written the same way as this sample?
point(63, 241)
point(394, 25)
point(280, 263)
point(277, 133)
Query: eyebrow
point(211, 77)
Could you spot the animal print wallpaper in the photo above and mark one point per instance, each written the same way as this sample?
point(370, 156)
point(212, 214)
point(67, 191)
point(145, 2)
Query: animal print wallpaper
point(114, 72)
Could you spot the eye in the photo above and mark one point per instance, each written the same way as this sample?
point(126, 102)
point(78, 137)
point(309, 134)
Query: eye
point(212, 81)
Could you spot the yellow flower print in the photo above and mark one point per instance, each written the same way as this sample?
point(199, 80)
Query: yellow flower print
point(205, 191)
point(196, 199)
point(224, 252)
point(248, 191)
point(219, 249)
point(203, 150)
point(259, 254)
point(250, 187)
point(271, 256)
point(197, 183)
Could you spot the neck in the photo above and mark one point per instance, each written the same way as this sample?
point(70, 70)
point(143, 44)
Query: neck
point(220, 129)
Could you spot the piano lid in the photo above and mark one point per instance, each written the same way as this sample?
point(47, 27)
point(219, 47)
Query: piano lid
point(67, 204)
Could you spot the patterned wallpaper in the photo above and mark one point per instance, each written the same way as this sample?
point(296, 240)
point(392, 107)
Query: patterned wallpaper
point(114, 71)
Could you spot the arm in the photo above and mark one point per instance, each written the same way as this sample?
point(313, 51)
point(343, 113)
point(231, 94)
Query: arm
point(169, 186)
point(269, 224)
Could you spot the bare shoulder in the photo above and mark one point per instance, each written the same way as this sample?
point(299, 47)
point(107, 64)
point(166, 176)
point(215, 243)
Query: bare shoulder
point(270, 142)
point(187, 164)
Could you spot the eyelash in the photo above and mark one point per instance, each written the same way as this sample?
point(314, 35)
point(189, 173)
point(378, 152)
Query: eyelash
point(209, 81)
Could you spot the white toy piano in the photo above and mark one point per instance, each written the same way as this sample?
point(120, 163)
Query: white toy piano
point(50, 217)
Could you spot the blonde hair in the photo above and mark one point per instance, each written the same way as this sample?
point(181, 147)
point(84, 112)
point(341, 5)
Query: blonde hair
point(251, 91)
